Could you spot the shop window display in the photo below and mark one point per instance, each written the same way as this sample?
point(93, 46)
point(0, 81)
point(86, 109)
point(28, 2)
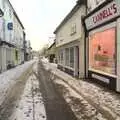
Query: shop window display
point(67, 57)
point(102, 51)
point(72, 57)
point(69, 61)
point(61, 56)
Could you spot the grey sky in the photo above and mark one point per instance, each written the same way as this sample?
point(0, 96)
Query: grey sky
point(41, 17)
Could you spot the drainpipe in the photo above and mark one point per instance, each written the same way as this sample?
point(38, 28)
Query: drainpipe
point(85, 31)
point(84, 2)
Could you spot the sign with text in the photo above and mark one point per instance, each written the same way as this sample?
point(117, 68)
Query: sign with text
point(10, 26)
point(105, 14)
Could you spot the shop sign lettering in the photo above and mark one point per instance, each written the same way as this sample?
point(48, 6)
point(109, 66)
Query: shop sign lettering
point(105, 14)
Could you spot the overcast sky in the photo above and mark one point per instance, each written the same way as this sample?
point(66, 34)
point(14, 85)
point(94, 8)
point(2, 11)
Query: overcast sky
point(41, 17)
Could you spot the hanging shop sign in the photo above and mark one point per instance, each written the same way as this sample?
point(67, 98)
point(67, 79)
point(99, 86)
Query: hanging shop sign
point(10, 26)
point(105, 14)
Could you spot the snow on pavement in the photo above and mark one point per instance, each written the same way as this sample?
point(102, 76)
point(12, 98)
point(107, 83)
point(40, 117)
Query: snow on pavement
point(104, 98)
point(8, 79)
point(30, 106)
point(82, 109)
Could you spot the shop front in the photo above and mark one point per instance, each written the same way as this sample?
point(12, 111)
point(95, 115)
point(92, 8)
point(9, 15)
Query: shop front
point(103, 45)
point(68, 59)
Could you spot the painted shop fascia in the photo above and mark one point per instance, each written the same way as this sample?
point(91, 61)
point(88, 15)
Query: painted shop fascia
point(70, 42)
point(103, 45)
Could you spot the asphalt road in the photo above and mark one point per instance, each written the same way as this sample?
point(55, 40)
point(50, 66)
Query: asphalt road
point(56, 107)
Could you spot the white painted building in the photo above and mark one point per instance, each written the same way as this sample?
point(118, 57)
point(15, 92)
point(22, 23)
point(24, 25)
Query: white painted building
point(28, 50)
point(11, 49)
point(92, 4)
point(18, 29)
point(70, 42)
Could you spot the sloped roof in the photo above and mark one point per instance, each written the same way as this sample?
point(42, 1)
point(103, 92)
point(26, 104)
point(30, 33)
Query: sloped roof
point(51, 46)
point(71, 13)
point(16, 15)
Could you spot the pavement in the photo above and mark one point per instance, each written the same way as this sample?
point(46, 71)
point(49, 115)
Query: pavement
point(104, 103)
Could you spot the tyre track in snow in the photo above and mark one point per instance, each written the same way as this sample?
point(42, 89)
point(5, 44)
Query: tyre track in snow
point(56, 106)
point(13, 95)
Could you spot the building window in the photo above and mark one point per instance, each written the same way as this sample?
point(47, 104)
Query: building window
point(61, 40)
point(102, 51)
point(60, 55)
point(16, 55)
point(73, 29)
point(10, 13)
point(92, 4)
point(67, 58)
point(72, 57)
point(98, 2)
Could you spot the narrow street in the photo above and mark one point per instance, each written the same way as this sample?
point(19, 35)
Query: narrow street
point(34, 97)
point(56, 107)
point(88, 101)
point(24, 100)
point(60, 60)
point(36, 92)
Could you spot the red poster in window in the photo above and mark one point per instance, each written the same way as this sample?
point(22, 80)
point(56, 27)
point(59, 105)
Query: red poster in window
point(102, 51)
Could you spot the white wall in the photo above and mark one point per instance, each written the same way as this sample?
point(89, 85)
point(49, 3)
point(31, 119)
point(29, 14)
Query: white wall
point(77, 39)
point(118, 55)
point(92, 4)
point(3, 57)
point(8, 17)
point(64, 36)
point(18, 33)
point(14, 36)
point(1, 21)
point(28, 46)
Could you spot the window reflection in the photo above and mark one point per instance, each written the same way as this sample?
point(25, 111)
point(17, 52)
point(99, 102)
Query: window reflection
point(102, 51)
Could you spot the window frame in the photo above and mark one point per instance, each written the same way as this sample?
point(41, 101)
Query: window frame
point(103, 28)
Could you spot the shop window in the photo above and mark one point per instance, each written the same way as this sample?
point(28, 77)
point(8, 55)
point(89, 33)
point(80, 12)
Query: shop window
point(67, 58)
point(61, 56)
point(16, 55)
point(102, 51)
point(72, 57)
point(58, 58)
